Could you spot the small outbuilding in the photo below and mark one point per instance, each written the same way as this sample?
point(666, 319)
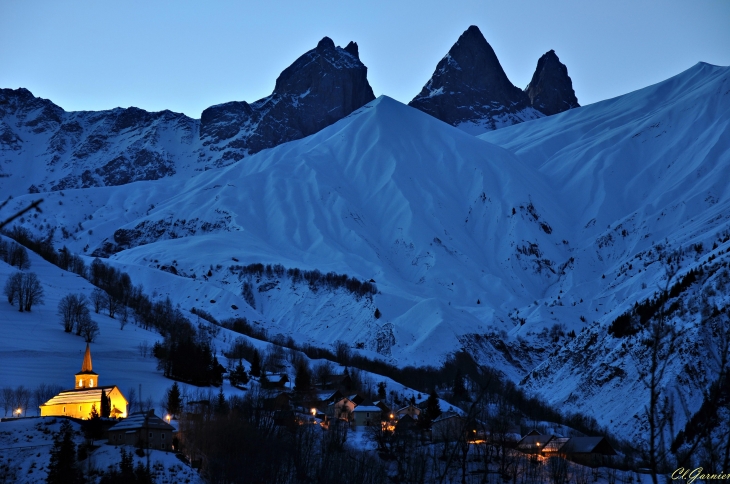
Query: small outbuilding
point(588, 451)
point(145, 429)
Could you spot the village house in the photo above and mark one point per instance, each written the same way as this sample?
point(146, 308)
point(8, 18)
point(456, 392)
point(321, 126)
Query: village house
point(275, 381)
point(449, 426)
point(411, 410)
point(588, 451)
point(86, 394)
point(341, 409)
point(366, 415)
point(533, 443)
point(144, 429)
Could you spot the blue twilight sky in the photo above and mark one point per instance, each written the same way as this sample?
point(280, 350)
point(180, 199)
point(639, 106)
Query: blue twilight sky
point(185, 56)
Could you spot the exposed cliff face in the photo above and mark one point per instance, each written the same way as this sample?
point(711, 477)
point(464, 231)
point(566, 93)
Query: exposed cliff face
point(322, 86)
point(551, 90)
point(44, 148)
point(470, 90)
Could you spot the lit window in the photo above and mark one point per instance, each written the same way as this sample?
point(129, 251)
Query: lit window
point(91, 382)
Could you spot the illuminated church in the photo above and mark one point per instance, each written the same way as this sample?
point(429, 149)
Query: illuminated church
point(77, 403)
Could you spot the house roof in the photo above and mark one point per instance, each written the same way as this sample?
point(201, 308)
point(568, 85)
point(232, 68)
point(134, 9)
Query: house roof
point(82, 395)
point(367, 408)
point(555, 444)
point(137, 421)
point(588, 445)
point(446, 415)
point(533, 441)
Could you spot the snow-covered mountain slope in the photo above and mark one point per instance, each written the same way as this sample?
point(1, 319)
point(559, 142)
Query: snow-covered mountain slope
point(44, 148)
point(652, 168)
point(502, 250)
point(387, 193)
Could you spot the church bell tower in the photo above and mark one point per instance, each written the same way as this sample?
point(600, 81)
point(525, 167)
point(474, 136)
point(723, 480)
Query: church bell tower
point(86, 378)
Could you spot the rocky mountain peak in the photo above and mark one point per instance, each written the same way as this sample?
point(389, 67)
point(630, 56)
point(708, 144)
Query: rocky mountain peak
point(551, 90)
point(351, 48)
point(469, 89)
point(320, 87)
point(325, 43)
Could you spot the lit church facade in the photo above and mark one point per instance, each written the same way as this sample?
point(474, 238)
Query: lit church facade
point(86, 394)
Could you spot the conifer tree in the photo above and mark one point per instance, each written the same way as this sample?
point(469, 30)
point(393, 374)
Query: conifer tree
point(303, 378)
point(62, 468)
point(256, 364)
point(174, 401)
point(106, 405)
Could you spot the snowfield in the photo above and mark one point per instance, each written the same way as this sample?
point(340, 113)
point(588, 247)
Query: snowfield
point(503, 244)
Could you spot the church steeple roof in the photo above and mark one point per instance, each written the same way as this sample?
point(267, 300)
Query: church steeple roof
point(86, 366)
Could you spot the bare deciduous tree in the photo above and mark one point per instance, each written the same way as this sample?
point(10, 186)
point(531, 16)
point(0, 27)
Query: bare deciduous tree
point(112, 305)
point(26, 289)
point(32, 291)
point(89, 329)
point(8, 395)
point(98, 299)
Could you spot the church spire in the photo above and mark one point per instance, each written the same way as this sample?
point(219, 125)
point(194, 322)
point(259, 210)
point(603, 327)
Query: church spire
point(86, 378)
point(86, 366)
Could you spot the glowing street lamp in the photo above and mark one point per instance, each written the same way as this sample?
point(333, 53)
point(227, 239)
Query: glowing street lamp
point(314, 412)
point(168, 418)
point(18, 411)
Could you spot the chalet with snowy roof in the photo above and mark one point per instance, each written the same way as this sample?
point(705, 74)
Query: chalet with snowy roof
point(533, 443)
point(86, 394)
point(143, 428)
point(588, 451)
point(366, 415)
point(411, 410)
point(275, 381)
point(449, 426)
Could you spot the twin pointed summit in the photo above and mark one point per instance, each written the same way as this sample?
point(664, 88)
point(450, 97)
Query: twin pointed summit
point(470, 90)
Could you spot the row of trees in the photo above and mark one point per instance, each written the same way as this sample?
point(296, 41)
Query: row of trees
point(316, 279)
point(21, 397)
point(14, 254)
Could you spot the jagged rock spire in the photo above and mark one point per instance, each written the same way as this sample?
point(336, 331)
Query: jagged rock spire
point(469, 87)
point(551, 89)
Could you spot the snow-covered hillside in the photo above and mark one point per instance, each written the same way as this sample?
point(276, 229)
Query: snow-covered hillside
point(502, 244)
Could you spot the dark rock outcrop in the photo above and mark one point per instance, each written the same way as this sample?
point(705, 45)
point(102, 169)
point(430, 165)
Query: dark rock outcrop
point(470, 90)
point(321, 87)
point(123, 145)
point(551, 90)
